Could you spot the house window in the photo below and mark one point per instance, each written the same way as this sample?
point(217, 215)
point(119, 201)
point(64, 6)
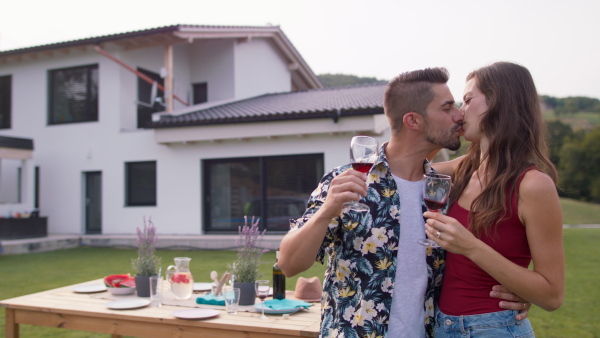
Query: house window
point(200, 92)
point(274, 188)
point(73, 95)
point(150, 98)
point(5, 101)
point(140, 186)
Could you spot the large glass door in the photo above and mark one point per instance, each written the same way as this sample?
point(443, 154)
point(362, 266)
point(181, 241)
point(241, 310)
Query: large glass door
point(274, 189)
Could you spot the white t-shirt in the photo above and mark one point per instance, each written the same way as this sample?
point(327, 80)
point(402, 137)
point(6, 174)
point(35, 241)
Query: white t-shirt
point(407, 317)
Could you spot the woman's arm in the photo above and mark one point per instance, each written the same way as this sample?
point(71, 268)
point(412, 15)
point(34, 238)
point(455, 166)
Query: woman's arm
point(540, 211)
point(448, 167)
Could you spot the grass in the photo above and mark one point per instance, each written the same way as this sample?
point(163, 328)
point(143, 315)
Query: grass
point(577, 316)
point(577, 212)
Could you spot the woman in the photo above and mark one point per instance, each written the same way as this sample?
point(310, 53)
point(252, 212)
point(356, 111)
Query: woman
point(504, 210)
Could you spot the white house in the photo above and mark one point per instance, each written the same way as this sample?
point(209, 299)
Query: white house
point(194, 126)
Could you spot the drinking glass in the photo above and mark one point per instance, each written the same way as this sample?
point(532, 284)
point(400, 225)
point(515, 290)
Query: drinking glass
point(155, 291)
point(363, 153)
point(436, 190)
point(232, 299)
point(262, 291)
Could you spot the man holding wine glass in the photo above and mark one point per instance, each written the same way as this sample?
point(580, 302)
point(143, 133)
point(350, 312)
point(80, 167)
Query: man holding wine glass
point(379, 281)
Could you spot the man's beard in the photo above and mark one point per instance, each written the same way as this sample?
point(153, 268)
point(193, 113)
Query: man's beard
point(443, 138)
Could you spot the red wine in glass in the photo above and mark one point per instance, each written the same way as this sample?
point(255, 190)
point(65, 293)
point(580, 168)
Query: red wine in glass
point(433, 205)
point(363, 153)
point(362, 167)
point(262, 288)
point(436, 190)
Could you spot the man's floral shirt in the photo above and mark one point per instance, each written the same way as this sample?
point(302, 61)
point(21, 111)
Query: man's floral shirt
point(362, 248)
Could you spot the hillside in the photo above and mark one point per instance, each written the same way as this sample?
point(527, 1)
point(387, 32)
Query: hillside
point(577, 121)
point(578, 112)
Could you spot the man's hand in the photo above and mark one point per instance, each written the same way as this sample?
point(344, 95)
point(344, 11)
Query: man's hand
point(513, 302)
point(300, 247)
point(345, 187)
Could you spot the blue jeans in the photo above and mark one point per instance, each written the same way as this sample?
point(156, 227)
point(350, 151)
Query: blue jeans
point(492, 325)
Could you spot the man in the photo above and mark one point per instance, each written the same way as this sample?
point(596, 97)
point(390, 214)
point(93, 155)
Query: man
point(374, 255)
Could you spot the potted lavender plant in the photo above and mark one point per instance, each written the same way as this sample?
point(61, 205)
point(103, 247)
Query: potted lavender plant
point(146, 263)
point(245, 268)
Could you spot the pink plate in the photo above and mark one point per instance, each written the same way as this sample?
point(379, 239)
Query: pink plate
point(195, 313)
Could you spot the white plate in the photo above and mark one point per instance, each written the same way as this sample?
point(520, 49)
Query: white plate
point(127, 304)
point(268, 310)
point(121, 291)
point(90, 288)
point(195, 313)
point(202, 286)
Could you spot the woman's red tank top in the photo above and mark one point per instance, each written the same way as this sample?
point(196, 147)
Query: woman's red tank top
point(466, 287)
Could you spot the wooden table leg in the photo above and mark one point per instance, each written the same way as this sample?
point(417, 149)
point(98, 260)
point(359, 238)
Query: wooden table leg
point(12, 328)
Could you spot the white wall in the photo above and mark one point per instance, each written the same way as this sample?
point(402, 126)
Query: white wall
point(259, 69)
point(212, 61)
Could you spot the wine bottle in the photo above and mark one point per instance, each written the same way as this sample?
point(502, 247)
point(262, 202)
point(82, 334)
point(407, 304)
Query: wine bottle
point(278, 280)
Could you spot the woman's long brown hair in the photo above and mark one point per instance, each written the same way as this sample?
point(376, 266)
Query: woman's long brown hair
point(517, 139)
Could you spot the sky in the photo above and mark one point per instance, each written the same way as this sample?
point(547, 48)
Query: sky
point(557, 40)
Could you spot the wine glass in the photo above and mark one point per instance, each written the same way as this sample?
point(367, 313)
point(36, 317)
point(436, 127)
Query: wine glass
point(363, 153)
point(436, 189)
point(262, 291)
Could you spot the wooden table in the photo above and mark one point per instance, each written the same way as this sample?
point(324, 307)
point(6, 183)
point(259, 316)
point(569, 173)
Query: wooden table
point(66, 309)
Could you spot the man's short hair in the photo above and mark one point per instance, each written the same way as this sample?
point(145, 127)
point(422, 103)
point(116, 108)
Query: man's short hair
point(411, 92)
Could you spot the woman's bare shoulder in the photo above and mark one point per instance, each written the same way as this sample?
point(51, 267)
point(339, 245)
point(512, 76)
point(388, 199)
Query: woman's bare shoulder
point(536, 182)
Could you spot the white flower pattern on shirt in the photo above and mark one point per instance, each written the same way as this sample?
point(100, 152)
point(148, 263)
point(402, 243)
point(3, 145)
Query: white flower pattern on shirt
point(362, 248)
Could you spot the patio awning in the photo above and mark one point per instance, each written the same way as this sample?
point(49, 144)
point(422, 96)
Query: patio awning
point(16, 148)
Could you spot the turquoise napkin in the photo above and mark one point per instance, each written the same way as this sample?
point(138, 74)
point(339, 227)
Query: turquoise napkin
point(209, 299)
point(284, 304)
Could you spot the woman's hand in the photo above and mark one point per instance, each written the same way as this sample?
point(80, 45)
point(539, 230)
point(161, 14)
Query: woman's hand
point(449, 233)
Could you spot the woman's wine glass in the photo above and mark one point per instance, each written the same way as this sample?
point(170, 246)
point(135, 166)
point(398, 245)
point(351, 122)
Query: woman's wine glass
point(436, 190)
point(363, 153)
point(262, 291)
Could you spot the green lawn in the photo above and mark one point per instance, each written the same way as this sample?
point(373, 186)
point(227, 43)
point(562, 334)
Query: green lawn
point(577, 316)
point(23, 274)
point(576, 212)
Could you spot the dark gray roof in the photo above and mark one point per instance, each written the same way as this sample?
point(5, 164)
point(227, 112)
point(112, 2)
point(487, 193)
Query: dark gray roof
point(126, 35)
point(333, 102)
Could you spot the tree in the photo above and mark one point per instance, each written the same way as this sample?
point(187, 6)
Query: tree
point(579, 163)
point(549, 101)
point(337, 80)
point(574, 104)
point(557, 132)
